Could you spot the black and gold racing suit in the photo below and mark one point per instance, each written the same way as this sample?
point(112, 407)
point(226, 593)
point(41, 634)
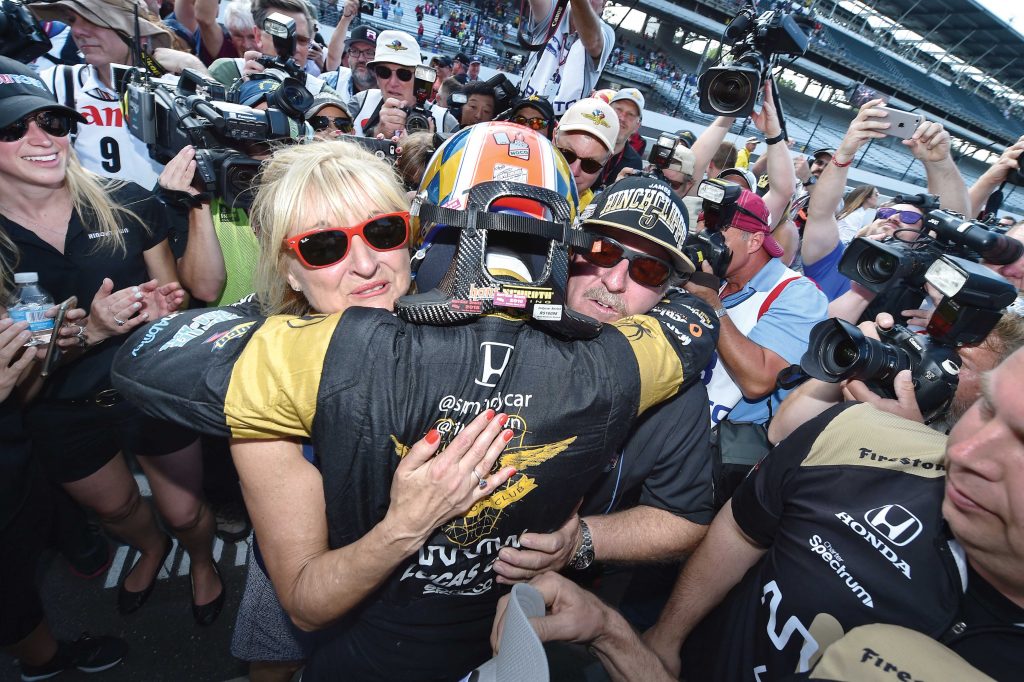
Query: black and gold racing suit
point(364, 385)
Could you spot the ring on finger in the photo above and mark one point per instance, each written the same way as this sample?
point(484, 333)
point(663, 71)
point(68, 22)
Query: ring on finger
point(481, 482)
point(119, 322)
point(82, 339)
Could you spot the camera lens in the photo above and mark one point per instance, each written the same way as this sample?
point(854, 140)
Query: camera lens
point(730, 91)
point(844, 354)
point(877, 268)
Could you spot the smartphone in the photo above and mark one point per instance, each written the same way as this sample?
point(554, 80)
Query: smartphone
point(386, 150)
point(902, 124)
point(52, 349)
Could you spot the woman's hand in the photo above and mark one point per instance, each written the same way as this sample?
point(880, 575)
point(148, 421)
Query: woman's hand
point(74, 332)
point(428, 490)
point(160, 300)
point(13, 337)
point(113, 313)
point(180, 171)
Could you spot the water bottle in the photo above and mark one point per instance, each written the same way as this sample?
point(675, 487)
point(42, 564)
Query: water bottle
point(30, 304)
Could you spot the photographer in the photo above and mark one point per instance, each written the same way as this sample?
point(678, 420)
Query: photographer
point(1002, 170)
point(822, 249)
point(104, 31)
point(385, 110)
point(480, 104)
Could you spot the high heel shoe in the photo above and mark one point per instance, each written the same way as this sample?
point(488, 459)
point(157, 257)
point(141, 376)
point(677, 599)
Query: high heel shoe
point(130, 602)
point(205, 614)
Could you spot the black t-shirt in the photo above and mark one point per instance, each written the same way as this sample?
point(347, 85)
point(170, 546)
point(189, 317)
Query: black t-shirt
point(849, 507)
point(627, 158)
point(665, 463)
point(80, 270)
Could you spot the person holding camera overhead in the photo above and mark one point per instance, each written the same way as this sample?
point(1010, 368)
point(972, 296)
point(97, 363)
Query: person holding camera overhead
point(389, 109)
point(104, 31)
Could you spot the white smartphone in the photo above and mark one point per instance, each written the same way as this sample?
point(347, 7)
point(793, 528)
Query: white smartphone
point(902, 124)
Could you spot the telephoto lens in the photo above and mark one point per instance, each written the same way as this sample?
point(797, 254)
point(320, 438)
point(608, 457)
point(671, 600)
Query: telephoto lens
point(838, 350)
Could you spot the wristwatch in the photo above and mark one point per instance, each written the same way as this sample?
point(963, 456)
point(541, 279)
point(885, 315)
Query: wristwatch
point(721, 312)
point(584, 556)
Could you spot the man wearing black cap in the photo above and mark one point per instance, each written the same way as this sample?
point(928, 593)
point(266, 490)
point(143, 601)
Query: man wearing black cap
point(352, 74)
point(819, 160)
point(665, 464)
point(460, 68)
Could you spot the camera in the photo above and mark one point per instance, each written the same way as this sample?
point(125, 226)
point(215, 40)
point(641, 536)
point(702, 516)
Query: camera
point(196, 112)
point(282, 28)
point(21, 37)
point(417, 117)
point(736, 89)
point(709, 245)
point(896, 270)
point(662, 150)
point(972, 301)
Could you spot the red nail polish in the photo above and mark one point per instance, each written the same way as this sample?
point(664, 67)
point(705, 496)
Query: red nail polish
point(504, 419)
point(514, 472)
point(489, 415)
point(432, 436)
point(507, 435)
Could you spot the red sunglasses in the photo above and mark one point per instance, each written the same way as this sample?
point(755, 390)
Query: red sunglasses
point(324, 247)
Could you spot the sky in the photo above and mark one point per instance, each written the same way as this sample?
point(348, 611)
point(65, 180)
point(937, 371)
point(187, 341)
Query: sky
point(1011, 12)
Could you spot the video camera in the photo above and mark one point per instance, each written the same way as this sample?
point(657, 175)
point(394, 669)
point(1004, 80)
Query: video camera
point(972, 300)
point(737, 89)
point(196, 112)
point(896, 270)
point(21, 37)
point(709, 245)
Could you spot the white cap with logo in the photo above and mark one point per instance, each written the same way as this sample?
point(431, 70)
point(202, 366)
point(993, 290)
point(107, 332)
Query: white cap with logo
point(592, 116)
point(396, 47)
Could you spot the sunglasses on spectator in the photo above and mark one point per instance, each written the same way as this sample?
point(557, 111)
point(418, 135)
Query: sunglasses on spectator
point(384, 73)
point(586, 165)
point(645, 269)
point(534, 122)
point(676, 184)
point(905, 217)
point(321, 123)
point(322, 248)
point(53, 123)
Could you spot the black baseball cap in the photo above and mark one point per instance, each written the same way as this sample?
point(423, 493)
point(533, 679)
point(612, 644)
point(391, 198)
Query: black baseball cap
point(538, 103)
point(686, 137)
point(462, 58)
point(646, 207)
point(827, 151)
point(362, 34)
point(443, 60)
point(23, 93)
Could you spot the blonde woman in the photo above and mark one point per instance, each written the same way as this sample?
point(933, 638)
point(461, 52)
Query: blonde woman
point(81, 236)
point(858, 211)
point(333, 226)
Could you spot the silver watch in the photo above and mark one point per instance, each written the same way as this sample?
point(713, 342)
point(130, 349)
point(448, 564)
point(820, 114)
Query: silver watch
point(584, 556)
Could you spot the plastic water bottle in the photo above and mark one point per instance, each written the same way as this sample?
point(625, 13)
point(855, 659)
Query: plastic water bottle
point(30, 304)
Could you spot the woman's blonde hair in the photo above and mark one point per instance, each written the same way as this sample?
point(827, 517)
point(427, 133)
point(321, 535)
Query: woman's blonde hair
point(855, 199)
point(334, 178)
point(91, 201)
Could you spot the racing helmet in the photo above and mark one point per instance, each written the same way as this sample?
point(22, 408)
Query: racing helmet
point(492, 226)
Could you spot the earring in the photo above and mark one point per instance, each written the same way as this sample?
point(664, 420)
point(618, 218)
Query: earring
point(297, 290)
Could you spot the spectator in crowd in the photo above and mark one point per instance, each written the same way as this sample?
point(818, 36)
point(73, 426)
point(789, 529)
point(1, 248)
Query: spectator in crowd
point(586, 135)
point(480, 103)
point(473, 72)
point(892, 491)
point(822, 248)
point(240, 26)
point(417, 149)
point(858, 211)
point(664, 463)
point(329, 117)
point(743, 155)
point(449, 87)
point(460, 68)
point(355, 76)
point(628, 104)
point(966, 588)
point(104, 31)
point(533, 112)
point(995, 175)
point(77, 233)
point(383, 111)
point(210, 40)
point(443, 65)
point(568, 68)
point(820, 160)
point(448, 641)
point(767, 312)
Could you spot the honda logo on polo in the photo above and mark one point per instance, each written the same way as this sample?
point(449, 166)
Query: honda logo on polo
point(496, 357)
point(895, 523)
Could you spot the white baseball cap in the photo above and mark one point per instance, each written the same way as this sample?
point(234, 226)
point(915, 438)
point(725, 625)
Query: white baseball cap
point(396, 47)
point(592, 116)
point(632, 95)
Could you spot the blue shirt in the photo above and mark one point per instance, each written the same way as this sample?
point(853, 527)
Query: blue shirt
point(785, 328)
point(826, 273)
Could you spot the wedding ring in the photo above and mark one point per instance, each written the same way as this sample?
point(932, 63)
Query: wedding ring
point(480, 482)
point(119, 323)
point(82, 340)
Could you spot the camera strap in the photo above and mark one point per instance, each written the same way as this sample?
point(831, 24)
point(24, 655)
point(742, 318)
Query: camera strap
point(556, 18)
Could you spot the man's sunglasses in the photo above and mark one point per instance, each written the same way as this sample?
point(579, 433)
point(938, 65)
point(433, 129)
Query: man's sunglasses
point(677, 184)
point(586, 165)
point(534, 122)
point(322, 248)
point(645, 269)
point(53, 123)
point(905, 217)
point(384, 73)
point(320, 123)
